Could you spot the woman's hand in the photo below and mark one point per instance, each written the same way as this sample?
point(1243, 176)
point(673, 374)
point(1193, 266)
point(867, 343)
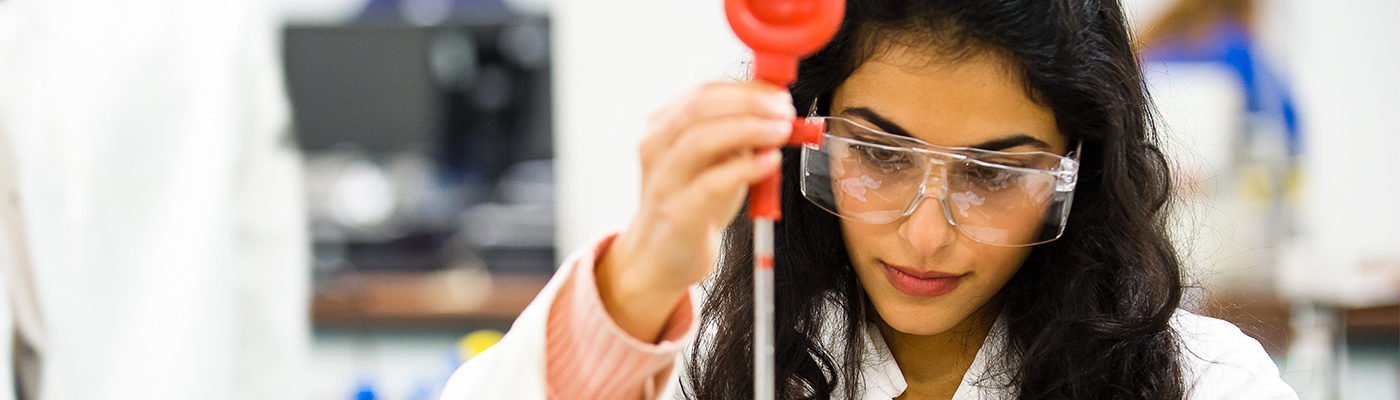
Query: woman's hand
point(699, 156)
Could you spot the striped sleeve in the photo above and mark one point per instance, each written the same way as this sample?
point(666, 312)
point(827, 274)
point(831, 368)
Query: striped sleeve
point(589, 357)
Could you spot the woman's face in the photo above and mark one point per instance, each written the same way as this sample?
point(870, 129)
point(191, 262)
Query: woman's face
point(923, 276)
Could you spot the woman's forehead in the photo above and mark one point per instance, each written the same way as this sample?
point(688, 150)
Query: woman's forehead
point(948, 103)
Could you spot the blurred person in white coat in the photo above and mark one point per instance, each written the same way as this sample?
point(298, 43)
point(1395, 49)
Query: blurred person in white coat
point(157, 193)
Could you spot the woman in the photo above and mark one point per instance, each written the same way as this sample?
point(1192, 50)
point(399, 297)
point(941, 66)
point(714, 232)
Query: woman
point(930, 249)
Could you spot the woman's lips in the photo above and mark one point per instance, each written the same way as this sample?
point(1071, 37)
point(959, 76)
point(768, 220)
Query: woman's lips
point(921, 284)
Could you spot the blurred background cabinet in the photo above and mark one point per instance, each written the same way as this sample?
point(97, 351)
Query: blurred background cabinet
point(426, 129)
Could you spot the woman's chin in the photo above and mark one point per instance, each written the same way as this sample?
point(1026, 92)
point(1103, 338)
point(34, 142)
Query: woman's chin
point(918, 322)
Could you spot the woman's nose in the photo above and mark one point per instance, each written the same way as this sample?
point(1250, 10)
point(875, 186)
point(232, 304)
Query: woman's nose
point(927, 228)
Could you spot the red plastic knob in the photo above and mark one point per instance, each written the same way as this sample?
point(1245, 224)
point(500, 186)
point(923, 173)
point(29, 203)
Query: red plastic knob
point(807, 131)
point(782, 31)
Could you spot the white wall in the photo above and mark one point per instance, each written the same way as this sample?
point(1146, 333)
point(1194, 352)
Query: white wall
point(1343, 58)
point(613, 65)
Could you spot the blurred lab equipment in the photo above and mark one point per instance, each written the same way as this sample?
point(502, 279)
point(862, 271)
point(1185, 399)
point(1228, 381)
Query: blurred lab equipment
point(1231, 128)
point(429, 162)
point(426, 128)
point(1276, 223)
point(427, 147)
point(422, 139)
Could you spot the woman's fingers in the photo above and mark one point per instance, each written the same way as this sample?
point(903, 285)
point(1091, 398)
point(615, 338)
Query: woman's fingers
point(699, 157)
point(712, 101)
point(672, 239)
point(719, 190)
point(710, 142)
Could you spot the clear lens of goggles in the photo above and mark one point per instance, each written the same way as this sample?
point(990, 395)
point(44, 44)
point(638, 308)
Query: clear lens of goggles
point(1007, 199)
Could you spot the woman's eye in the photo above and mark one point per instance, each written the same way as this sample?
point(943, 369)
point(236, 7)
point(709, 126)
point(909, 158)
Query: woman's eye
point(883, 157)
point(988, 176)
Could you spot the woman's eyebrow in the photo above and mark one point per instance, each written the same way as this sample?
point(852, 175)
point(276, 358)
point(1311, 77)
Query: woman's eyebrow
point(1012, 141)
point(879, 121)
point(998, 144)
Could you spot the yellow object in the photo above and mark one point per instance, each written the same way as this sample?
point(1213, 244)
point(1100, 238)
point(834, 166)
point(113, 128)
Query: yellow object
point(476, 342)
point(1255, 185)
point(1293, 184)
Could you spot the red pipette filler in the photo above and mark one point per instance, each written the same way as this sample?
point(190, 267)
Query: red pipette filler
point(780, 32)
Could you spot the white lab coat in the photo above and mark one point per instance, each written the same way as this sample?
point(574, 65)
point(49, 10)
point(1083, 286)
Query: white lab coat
point(1220, 361)
point(161, 198)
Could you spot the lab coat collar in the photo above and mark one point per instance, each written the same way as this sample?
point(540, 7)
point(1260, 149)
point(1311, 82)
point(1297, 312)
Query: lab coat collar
point(883, 379)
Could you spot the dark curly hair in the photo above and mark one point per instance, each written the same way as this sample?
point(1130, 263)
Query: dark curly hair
point(1111, 339)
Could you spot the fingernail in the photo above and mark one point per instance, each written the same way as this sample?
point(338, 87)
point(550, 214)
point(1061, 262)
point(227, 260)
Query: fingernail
point(779, 126)
point(772, 157)
point(781, 104)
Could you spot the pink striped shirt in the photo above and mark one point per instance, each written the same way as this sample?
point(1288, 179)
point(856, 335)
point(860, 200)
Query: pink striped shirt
point(588, 356)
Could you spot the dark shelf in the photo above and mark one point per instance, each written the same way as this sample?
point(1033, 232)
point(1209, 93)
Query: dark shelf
point(1266, 318)
point(442, 299)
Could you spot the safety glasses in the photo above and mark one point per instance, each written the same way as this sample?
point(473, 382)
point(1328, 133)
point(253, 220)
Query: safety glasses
point(993, 197)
